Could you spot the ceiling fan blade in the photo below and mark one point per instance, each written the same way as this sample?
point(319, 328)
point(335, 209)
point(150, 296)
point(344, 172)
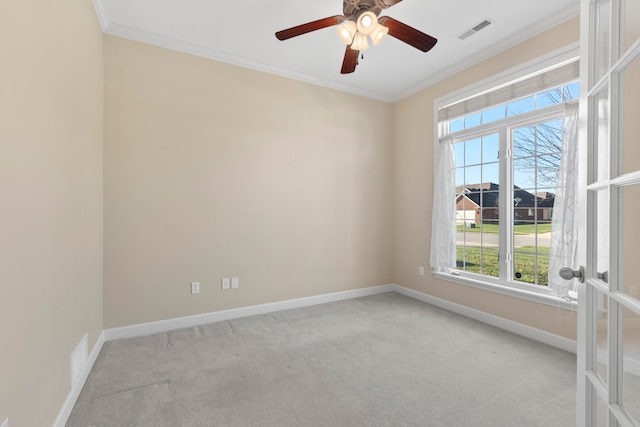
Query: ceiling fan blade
point(310, 26)
point(407, 34)
point(350, 61)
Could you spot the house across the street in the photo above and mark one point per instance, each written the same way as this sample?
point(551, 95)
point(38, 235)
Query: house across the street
point(479, 203)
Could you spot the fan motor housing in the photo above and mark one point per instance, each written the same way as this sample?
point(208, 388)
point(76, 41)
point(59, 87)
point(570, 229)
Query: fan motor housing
point(352, 9)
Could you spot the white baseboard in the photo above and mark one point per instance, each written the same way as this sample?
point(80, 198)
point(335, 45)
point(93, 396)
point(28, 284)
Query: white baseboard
point(143, 329)
point(67, 407)
point(490, 319)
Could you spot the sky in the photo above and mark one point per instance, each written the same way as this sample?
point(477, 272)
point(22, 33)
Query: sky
point(480, 155)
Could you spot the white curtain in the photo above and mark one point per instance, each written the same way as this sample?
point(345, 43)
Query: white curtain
point(443, 220)
point(564, 232)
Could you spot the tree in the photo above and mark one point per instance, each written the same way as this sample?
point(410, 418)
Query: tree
point(537, 149)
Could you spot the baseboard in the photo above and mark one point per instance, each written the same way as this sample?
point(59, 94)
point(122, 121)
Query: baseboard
point(143, 329)
point(67, 407)
point(499, 322)
point(201, 319)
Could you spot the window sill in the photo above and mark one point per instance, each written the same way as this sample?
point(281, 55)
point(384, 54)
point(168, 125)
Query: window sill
point(538, 296)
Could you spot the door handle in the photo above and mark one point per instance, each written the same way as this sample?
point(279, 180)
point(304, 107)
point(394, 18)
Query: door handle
point(604, 276)
point(567, 273)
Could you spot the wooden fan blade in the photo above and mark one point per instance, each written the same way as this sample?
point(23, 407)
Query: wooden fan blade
point(408, 34)
point(350, 61)
point(310, 26)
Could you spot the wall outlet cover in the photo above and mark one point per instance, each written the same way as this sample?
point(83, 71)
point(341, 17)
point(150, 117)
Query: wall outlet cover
point(226, 283)
point(195, 288)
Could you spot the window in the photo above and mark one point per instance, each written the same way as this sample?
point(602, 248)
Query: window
point(503, 150)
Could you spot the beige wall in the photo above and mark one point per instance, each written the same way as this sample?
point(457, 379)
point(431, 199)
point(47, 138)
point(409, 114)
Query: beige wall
point(214, 171)
point(210, 171)
point(50, 200)
point(413, 134)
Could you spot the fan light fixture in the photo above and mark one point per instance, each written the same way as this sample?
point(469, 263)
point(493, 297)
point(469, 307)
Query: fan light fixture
point(378, 34)
point(354, 34)
point(360, 42)
point(347, 32)
point(367, 23)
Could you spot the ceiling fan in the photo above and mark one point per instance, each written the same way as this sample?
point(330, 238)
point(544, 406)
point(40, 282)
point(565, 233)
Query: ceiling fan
point(360, 21)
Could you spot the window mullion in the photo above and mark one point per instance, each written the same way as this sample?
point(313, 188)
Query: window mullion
point(505, 214)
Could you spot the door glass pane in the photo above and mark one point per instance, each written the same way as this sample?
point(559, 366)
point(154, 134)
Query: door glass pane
point(601, 135)
point(602, 412)
point(629, 124)
point(601, 336)
point(602, 231)
point(629, 240)
point(631, 363)
point(631, 22)
point(602, 35)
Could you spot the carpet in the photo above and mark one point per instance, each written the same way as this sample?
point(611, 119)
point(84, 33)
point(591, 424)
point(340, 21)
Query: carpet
point(382, 360)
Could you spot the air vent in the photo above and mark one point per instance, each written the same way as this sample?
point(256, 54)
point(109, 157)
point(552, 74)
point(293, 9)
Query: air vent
point(479, 26)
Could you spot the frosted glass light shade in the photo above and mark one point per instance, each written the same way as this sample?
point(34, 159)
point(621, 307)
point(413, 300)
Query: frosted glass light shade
point(347, 31)
point(360, 42)
point(367, 23)
point(378, 34)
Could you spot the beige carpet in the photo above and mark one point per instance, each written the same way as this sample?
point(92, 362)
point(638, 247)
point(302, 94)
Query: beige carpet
point(384, 360)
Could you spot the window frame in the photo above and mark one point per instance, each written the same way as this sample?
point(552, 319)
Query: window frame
point(531, 292)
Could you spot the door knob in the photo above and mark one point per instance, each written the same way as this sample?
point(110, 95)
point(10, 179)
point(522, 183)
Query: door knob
point(567, 273)
point(604, 276)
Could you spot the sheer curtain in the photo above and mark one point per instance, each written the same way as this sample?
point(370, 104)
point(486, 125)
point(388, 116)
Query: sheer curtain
point(443, 223)
point(564, 232)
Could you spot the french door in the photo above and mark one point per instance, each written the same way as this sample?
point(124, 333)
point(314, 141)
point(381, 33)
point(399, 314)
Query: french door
point(609, 298)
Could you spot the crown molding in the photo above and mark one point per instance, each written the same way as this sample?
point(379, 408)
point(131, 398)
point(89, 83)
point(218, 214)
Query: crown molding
point(102, 14)
point(496, 48)
point(182, 46)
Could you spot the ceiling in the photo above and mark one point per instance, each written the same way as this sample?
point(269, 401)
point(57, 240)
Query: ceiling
point(241, 32)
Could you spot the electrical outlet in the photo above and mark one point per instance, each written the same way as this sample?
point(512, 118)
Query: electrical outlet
point(421, 271)
point(5, 423)
point(226, 283)
point(195, 288)
point(234, 282)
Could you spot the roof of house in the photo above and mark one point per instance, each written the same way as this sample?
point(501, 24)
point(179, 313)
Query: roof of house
point(487, 195)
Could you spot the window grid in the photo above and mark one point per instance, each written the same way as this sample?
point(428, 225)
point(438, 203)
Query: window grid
point(528, 262)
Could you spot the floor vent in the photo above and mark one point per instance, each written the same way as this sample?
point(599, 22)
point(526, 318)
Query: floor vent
point(79, 359)
point(471, 31)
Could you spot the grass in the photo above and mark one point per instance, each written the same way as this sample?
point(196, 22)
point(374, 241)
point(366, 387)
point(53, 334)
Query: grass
point(485, 261)
point(542, 227)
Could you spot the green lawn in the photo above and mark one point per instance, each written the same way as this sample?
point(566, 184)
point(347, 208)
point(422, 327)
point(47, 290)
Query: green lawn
point(485, 261)
point(543, 227)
